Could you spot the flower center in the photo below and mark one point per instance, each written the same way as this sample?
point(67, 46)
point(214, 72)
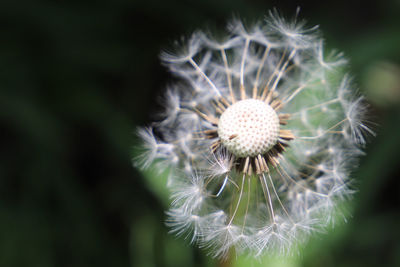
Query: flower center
point(248, 128)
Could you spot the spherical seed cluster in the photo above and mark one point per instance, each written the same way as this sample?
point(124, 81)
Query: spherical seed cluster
point(248, 128)
point(239, 180)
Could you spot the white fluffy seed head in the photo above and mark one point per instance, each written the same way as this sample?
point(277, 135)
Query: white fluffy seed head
point(313, 172)
point(248, 128)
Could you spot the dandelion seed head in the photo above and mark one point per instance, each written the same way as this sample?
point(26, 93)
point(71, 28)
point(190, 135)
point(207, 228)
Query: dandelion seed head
point(260, 137)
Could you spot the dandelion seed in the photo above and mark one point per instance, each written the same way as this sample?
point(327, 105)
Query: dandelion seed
point(261, 136)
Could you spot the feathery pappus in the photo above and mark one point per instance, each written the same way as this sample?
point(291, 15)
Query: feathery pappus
point(259, 135)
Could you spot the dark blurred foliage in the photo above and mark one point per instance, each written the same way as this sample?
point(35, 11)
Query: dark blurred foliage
point(76, 77)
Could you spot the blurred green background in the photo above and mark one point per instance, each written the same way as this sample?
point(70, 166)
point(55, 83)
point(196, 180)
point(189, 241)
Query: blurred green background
point(76, 77)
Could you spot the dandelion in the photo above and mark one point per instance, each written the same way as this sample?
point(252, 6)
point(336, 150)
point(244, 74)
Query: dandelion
point(259, 136)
